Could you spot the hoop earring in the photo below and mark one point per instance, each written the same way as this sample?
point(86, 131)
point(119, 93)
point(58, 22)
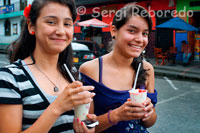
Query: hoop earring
point(32, 33)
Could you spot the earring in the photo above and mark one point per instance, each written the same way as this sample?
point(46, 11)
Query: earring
point(32, 33)
point(113, 37)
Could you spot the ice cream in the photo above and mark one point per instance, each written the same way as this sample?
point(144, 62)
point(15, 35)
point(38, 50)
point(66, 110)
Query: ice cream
point(138, 95)
point(81, 111)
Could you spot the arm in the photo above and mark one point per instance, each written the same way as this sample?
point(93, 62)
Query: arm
point(11, 116)
point(150, 116)
point(124, 113)
point(11, 120)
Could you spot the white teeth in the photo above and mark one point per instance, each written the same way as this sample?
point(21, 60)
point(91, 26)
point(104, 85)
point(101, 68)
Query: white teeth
point(135, 46)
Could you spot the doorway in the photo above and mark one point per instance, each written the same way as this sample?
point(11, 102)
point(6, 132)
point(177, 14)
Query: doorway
point(164, 37)
point(7, 28)
point(194, 20)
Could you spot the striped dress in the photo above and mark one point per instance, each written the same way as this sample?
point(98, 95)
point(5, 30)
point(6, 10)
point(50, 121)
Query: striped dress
point(18, 86)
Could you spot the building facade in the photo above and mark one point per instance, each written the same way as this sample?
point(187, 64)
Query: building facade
point(11, 20)
point(190, 12)
point(104, 10)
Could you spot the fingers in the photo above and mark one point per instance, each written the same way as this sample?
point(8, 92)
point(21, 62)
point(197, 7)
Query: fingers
point(82, 98)
point(75, 89)
point(149, 109)
point(79, 94)
point(147, 102)
point(80, 127)
point(148, 115)
point(134, 104)
point(92, 117)
point(77, 125)
point(75, 84)
point(85, 129)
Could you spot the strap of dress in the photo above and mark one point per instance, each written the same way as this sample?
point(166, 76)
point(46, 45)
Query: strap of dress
point(100, 69)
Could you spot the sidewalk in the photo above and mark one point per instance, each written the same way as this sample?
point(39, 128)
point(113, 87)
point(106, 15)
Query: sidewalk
point(178, 71)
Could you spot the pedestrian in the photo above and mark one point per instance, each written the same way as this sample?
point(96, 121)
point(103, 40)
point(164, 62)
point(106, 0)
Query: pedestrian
point(186, 49)
point(36, 93)
point(113, 75)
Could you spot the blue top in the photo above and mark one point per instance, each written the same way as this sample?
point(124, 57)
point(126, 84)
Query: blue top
point(107, 99)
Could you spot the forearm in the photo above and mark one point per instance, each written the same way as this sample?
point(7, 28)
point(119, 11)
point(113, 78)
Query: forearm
point(104, 122)
point(150, 122)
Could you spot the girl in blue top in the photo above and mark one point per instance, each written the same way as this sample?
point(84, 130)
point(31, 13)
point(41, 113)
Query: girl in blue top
point(113, 75)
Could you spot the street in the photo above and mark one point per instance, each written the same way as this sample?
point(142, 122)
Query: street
point(178, 105)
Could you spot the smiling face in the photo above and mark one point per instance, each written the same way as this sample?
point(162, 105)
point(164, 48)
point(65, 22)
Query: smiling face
point(132, 37)
point(53, 29)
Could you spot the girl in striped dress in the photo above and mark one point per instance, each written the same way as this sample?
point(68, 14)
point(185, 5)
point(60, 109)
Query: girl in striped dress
point(36, 93)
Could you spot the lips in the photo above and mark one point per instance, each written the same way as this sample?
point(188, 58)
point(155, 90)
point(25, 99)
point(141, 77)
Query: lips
point(136, 47)
point(59, 39)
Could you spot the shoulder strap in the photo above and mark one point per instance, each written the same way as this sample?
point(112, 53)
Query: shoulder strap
point(100, 69)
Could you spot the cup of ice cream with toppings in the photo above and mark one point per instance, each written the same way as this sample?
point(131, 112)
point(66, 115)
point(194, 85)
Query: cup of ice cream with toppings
point(138, 95)
point(81, 111)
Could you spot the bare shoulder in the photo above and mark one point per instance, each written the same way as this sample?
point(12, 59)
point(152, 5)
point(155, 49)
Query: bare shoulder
point(90, 68)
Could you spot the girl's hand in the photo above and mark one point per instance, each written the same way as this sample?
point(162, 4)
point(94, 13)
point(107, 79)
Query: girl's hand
point(149, 109)
point(128, 111)
point(74, 94)
point(80, 126)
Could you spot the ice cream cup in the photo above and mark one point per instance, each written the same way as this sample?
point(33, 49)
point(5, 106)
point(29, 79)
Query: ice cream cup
point(138, 95)
point(81, 111)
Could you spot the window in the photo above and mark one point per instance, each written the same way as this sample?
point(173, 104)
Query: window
point(15, 29)
point(7, 27)
point(23, 4)
point(6, 2)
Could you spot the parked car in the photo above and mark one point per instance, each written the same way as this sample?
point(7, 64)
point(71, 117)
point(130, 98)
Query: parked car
point(93, 46)
point(81, 53)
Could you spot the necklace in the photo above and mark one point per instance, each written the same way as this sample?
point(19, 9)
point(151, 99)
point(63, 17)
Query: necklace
point(55, 89)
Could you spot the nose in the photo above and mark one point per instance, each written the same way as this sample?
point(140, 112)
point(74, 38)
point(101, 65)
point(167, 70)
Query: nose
point(60, 29)
point(139, 37)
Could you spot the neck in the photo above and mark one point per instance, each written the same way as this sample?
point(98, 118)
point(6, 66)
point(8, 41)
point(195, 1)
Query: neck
point(120, 59)
point(46, 62)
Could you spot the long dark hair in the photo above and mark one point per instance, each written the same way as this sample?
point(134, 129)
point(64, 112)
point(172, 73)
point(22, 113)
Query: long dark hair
point(120, 18)
point(25, 44)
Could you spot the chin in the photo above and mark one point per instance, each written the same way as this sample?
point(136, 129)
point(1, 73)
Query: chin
point(135, 55)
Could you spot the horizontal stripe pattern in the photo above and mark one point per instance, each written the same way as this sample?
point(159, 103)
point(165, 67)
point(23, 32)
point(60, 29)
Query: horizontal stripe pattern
point(9, 93)
point(8, 77)
point(17, 88)
point(25, 85)
point(32, 99)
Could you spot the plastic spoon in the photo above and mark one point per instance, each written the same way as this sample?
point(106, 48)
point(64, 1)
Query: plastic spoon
point(70, 75)
point(136, 77)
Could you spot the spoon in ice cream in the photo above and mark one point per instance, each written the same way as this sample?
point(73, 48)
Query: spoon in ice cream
point(69, 73)
point(136, 77)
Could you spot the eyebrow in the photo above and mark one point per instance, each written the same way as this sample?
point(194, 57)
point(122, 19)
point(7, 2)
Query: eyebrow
point(132, 26)
point(56, 17)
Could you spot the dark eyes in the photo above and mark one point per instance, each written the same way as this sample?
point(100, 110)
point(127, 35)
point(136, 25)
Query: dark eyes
point(67, 24)
point(134, 31)
point(131, 31)
point(51, 22)
point(145, 34)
